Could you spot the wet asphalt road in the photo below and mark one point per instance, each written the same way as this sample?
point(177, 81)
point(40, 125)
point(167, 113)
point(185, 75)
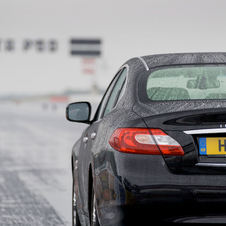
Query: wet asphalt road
point(35, 171)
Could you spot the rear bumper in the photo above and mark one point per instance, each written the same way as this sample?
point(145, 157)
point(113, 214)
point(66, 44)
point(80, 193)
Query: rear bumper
point(163, 213)
point(167, 204)
point(148, 191)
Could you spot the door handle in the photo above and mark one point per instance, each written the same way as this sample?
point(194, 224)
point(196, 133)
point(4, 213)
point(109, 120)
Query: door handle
point(85, 139)
point(93, 135)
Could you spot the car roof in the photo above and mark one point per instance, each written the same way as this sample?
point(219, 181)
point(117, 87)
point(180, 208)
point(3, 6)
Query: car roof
point(159, 60)
point(177, 59)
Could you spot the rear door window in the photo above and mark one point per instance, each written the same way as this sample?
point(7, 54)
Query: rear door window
point(107, 94)
point(115, 94)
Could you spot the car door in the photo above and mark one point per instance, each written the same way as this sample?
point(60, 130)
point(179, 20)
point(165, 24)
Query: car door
point(92, 137)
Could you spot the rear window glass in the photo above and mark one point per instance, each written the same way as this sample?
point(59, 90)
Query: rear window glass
point(187, 83)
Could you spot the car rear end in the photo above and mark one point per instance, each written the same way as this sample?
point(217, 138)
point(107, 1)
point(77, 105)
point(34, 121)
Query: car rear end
point(174, 169)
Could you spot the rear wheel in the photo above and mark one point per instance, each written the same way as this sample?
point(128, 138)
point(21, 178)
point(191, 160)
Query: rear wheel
point(75, 219)
point(93, 218)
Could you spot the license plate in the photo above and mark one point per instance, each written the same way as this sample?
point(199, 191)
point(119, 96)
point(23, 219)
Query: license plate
point(212, 145)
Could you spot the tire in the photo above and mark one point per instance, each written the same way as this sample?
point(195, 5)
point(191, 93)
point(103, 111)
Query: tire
point(93, 218)
point(75, 219)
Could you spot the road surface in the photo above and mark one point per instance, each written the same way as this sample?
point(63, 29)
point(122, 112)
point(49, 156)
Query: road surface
point(35, 171)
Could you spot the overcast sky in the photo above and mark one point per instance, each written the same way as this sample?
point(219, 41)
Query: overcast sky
point(127, 28)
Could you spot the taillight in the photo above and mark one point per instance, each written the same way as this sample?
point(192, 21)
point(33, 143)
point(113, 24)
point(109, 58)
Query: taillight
point(144, 141)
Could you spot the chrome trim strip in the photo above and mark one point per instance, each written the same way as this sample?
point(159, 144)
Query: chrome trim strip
point(211, 164)
point(206, 131)
point(144, 63)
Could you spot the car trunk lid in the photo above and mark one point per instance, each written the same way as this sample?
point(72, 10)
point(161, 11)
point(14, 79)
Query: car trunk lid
point(202, 135)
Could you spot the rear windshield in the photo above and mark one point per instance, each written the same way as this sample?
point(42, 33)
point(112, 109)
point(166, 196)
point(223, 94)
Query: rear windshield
point(187, 83)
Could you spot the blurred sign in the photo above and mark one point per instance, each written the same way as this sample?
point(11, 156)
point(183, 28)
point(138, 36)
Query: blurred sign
point(58, 99)
point(39, 45)
point(7, 44)
point(86, 47)
point(88, 66)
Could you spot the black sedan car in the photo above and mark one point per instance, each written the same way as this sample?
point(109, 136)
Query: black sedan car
point(156, 147)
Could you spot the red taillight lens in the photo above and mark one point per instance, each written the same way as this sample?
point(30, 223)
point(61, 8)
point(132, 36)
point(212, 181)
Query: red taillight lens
point(133, 140)
point(144, 141)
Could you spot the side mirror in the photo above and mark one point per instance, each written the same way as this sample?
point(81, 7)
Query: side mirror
point(79, 112)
